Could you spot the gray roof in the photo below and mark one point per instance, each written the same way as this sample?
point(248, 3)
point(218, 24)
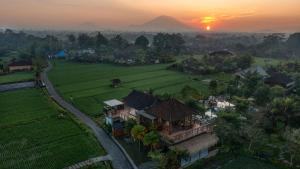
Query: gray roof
point(143, 113)
point(113, 103)
point(254, 69)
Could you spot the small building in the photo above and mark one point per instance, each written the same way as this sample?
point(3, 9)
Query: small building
point(112, 110)
point(60, 54)
point(201, 146)
point(280, 79)
point(252, 70)
point(88, 51)
point(20, 65)
point(221, 53)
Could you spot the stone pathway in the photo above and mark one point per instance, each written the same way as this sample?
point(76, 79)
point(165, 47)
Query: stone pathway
point(89, 162)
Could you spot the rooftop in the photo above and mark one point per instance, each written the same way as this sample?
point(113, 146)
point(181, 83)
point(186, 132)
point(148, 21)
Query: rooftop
point(139, 100)
point(21, 63)
point(171, 110)
point(113, 103)
point(255, 69)
point(279, 79)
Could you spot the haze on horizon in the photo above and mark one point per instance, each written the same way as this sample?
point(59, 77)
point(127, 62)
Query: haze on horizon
point(220, 15)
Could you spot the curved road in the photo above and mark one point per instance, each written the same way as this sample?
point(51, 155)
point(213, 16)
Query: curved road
point(119, 161)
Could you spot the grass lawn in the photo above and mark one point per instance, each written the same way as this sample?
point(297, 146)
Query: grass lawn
point(268, 61)
point(101, 165)
point(229, 162)
point(35, 133)
point(16, 77)
point(88, 85)
point(138, 155)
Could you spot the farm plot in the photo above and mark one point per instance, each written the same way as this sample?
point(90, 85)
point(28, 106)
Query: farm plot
point(88, 85)
point(16, 77)
point(35, 133)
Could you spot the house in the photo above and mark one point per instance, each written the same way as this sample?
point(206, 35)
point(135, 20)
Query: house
point(113, 110)
point(180, 129)
point(60, 54)
point(222, 53)
point(176, 122)
point(215, 104)
point(252, 70)
point(20, 65)
point(119, 111)
point(277, 78)
point(88, 51)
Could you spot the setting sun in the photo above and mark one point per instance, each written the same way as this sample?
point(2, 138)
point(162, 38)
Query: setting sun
point(208, 28)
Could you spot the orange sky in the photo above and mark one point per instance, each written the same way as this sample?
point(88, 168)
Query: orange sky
point(221, 15)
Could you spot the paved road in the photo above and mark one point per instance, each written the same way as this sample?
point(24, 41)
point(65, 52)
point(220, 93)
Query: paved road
point(119, 161)
point(15, 86)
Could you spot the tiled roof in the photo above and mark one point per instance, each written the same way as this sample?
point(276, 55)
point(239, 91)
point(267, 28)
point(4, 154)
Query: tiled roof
point(21, 63)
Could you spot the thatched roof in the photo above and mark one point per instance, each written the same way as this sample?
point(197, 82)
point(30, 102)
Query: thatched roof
point(139, 100)
point(171, 110)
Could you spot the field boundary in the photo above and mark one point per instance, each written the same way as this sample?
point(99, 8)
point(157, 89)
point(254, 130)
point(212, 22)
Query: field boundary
point(89, 162)
point(16, 86)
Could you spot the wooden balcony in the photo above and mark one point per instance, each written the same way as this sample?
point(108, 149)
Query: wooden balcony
point(182, 135)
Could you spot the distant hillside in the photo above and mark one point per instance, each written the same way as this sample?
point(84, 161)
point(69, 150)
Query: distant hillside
point(163, 23)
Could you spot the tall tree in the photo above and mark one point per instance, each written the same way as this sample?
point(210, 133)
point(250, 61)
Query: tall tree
point(72, 40)
point(213, 86)
point(142, 41)
point(138, 132)
point(85, 41)
point(101, 40)
point(282, 109)
point(118, 42)
point(292, 144)
point(151, 139)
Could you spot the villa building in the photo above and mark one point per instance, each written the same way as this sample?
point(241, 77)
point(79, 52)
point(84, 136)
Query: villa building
point(180, 126)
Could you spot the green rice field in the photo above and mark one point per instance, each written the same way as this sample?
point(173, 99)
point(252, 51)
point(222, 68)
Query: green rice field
point(16, 77)
point(88, 85)
point(35, 133)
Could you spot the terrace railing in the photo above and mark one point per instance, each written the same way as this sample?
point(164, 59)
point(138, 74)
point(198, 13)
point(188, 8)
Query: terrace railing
point(186, 134)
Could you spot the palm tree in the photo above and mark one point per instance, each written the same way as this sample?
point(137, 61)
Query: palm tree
point(283, 107)
point(152, 139)
point(138, 132)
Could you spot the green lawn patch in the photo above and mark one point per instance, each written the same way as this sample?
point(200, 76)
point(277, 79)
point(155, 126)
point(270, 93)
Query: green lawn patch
point(35, 133)
point(229, 161)
point(16, 77)
point(138, 155)
point(88, 85)
point(267, 61)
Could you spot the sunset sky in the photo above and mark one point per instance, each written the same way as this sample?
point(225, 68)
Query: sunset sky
point(220, 15)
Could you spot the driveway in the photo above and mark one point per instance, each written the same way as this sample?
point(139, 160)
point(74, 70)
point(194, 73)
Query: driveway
point(119, 161)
